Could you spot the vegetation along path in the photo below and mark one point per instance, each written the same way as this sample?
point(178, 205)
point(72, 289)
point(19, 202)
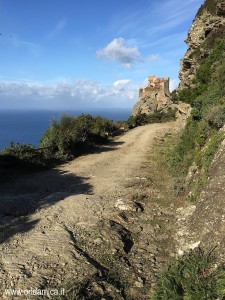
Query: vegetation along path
point(83, 219)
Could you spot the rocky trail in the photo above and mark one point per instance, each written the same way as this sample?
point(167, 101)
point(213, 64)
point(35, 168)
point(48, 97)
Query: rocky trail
point(89, 221)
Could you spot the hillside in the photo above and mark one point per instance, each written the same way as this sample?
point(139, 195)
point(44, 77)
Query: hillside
point(200, 150)
point(196, 160)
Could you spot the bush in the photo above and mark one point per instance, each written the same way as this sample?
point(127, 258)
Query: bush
point(174, 97)
point(58, 138)
point(71, 136)
point(189, 95)
point(182, 154)
point(216, 116)
point(206, 156)
point(192, 277)
point(62, 141)
point(220, 78)
point(23, 156)
point(137, 120)
point(205, 72)
point(157, 117)
point(207, 68)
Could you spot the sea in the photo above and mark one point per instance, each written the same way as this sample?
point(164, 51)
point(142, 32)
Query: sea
point(27, 127)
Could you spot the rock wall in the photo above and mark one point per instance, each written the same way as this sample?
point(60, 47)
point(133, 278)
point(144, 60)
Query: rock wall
point(207, 25)
point(154, 97)
point(203, 223)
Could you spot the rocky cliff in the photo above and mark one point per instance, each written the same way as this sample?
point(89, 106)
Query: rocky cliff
point(202, 76)
point(154, 97)
point(208, 25)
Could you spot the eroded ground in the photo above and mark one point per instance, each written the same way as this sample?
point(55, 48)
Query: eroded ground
point(99, 222)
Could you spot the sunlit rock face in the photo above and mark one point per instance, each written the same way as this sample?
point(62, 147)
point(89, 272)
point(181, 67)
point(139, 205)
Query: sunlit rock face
point(154, 97)
point(208, 24)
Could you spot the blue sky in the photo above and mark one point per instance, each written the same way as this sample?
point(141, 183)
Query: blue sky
point(68, 54)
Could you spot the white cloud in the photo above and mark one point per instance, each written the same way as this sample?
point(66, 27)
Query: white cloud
point(118, 50)
point(120, 84)
point(125, 86)
point(174, 84)
point(67, 94)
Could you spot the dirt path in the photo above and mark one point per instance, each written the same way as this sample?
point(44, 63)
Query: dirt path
point(109, 170)
point(50, 220)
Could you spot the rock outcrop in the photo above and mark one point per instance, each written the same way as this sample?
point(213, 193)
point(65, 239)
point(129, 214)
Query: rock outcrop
point(208, 24)
point(154, 97)
point(203, 224)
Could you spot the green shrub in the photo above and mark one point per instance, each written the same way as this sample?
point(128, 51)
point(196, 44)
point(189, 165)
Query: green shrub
point(196, 113)
point(204, 75)
point(206, 156)
point(59, 137)
point(23, 156)
point(71, 136)
point(137, 120)
point(216, 116)
point(156, 117)
point(220, 78)
point(103, 126)
point(191, 277)
point(210, 6)
point(207, 68)
point(63, 140)
point(207, 116)
point(189, 96)
point(182, 153)
point(186, 95)
point(174, 97)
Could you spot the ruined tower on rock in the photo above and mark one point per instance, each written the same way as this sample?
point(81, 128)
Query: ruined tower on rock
point(154, 97)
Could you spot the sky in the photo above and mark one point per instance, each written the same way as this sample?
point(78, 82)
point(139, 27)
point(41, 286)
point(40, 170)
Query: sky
point(68, 54)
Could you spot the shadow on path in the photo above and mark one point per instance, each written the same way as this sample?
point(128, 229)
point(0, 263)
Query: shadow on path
point(21, 194)
point(21, 197)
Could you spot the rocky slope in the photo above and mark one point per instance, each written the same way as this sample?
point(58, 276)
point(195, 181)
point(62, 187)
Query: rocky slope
point(208, 25)
point(202, 222)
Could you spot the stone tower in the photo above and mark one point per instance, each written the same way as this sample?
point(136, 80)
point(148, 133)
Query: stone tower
point(154, 97)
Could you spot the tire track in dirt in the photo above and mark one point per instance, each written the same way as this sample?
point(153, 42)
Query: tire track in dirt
point(44, 250)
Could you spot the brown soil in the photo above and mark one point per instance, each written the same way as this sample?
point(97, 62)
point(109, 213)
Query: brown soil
point(85, 218)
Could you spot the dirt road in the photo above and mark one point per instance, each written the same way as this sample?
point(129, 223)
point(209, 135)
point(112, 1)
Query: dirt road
point(44, 215)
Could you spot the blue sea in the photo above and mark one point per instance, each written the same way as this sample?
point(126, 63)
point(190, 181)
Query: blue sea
point(27, 127)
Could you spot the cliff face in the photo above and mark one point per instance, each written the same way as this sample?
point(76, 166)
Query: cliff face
point(202, 75)
point(208, 25)
point(154, 97)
